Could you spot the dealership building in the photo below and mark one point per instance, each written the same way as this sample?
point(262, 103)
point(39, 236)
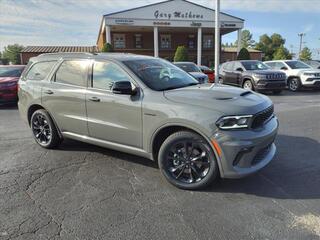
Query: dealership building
point(158, 29)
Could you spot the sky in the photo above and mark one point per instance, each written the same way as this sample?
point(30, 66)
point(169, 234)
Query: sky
point(76, 22)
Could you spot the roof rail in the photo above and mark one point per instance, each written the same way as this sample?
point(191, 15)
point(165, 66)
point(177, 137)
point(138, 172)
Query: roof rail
point(66, 54)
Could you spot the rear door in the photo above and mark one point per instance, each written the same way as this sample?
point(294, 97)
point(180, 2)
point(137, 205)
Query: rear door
point(64, 96)
point(227, 72)
point(113, 117)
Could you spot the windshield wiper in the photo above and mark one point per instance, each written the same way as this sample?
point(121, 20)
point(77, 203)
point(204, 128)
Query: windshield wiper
point(175, 87)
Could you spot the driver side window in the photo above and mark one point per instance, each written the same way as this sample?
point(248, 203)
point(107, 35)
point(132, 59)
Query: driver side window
point(106, 73)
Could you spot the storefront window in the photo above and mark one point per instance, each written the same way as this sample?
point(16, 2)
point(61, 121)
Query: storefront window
point(165, 41)
point(138, 40)
point(119, 41)
point(191, 41)
point(208, 41)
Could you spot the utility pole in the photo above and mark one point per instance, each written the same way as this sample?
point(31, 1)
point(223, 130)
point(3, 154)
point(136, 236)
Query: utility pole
point(301, 35)
point(217, 42)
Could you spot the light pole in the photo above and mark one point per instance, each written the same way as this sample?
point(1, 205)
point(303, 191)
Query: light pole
point(217, 42)
point(301, 35)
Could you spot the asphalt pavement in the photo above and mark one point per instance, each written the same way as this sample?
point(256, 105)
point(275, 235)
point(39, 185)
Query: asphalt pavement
point(80, 191)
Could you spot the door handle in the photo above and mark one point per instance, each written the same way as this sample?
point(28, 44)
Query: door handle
point(94, 99)
point(48, 92)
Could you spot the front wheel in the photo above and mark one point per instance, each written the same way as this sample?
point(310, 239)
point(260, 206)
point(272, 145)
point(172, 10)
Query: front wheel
point(44, 130)
point(187, 161)
point(294, 84)
point(248, 85)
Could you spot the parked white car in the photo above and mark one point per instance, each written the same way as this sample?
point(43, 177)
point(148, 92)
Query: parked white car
point(298, 73)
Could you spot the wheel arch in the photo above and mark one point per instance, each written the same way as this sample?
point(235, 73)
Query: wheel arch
point(36, 107)
point(165, 131)
point(245, 78)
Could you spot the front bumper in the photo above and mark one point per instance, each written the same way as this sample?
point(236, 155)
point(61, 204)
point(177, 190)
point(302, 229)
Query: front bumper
point(312, 82)
point(270, 85)
point(244, 152)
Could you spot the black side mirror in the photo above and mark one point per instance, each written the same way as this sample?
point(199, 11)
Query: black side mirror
point(284, 68)
point(239, 69)
point(123, 87)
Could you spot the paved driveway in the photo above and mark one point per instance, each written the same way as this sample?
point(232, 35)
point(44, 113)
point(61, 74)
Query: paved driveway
point(85, 192)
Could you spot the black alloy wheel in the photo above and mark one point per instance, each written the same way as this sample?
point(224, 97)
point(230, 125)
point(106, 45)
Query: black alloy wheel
point(43, 129)
point(187, 161)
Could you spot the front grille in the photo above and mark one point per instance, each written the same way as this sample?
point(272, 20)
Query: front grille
point(201, 80)
point(260, 118)
point(261, 155)
point(275, 76)
point(317, 74)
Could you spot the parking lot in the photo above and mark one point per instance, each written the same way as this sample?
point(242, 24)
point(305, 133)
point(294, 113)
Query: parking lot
point(85, 192)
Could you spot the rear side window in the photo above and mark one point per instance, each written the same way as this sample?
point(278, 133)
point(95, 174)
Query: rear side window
point(40, 70)
point(228, 66)
point(73, 72)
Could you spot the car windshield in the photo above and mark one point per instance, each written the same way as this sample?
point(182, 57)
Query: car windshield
point(254, 65)
point(297, 65)
point(188, 67)
point(11, 71)
point(160, 75)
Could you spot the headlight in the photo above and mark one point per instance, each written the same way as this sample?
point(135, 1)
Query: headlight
point(234, 122)
point(257, 76)
point(308, 74)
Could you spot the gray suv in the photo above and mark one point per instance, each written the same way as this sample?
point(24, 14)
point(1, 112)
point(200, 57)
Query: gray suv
point(149, 107)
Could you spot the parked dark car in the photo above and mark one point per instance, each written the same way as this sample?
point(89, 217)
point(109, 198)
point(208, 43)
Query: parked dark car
point(9, 77)
point(209, 72)
point(252, 75)
point(193, 70)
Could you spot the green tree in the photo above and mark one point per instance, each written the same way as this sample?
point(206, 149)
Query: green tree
point(243, 54)
point(246, 40)
point(305, 54)
point(107, 47)
point(12, 53)
point(282, 53)
point(181, 54)
point(269, 45)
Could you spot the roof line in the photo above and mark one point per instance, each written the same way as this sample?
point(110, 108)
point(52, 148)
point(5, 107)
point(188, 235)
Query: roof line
point(157, 3)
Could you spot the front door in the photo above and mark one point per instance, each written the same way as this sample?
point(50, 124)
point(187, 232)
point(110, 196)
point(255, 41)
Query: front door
point(113, 117)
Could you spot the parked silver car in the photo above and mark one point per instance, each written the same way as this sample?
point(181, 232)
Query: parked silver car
point(149, 107)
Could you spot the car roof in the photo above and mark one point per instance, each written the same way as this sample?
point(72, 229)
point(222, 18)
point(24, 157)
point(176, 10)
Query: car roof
point(111, 56)
point(183, 63)
point(22, 66)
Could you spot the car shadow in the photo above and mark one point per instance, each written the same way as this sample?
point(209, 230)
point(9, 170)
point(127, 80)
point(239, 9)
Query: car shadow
point(72, 145)
point(8, 106)
point(293, 174)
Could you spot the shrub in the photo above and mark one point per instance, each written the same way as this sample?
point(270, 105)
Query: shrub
point(181, 54)
point(107, 47)
point(243, 54)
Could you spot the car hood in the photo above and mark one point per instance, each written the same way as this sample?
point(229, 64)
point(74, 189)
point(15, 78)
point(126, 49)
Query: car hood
point(266, 72)
point(225, 99)
point(9, 79)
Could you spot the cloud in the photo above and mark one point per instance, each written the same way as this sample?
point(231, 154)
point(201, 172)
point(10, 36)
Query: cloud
point(308, 28)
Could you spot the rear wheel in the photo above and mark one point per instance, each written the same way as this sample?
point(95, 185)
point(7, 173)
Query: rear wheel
point(44, 130)
point(187, 161)
point(248, 85)
point(294, 84)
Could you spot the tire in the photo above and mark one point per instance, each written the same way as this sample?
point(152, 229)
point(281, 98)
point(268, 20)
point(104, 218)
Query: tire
point(277, 91)
point(247, 84)
point(44, 130)
point(220, 81)
point(294, 84)
point(187, 161)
